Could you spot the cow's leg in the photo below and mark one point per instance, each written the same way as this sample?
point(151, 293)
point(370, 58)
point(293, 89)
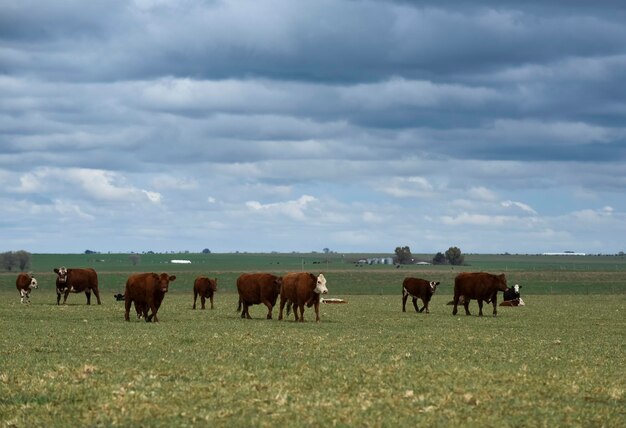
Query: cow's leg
point(22, 296)
point(67, 293)
point(211, 298)
point(317, 311)
point(404, 297)
point(58, 298)
point(127, 304)
point(466, 302)
point(301, 306)
point(195, 297)
point(97, 294)
point(414, 299)
point(269, 308)
point(425, 307)
point(456, 303)
point(480, 307)
point(202, 301)
point(88, 294)
point(495, 304)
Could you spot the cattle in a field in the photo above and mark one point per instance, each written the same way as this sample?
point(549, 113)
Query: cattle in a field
point(512, 293)
point(480, 286)
point(25, 283)
point(76, 281)
point(147, 291)
point(257, 288)
point(205, 287)
point(301, 289)
point(418, 288)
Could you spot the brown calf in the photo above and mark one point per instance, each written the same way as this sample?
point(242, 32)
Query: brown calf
point(418, 288)
point(205, 287)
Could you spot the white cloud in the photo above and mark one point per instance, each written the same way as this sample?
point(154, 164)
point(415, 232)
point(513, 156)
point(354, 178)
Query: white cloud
point(406, 187)
point(296, 209)
point(524, 207)
point(482, 193)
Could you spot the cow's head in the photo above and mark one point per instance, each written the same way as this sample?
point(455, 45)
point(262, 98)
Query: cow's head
point(163, 281)
point(33, 283)
point(278, 283)
point(516, 288)
point(433, 286)
point(320, 285)
point(61, 274)
point(501, 285)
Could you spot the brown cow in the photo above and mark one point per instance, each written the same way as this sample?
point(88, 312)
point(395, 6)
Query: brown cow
point(205, 287)
point(480, 286)
point(256, 288)
point(302, 289)
point(76, 281)
point(418, 288)
point(24, 284)
point(147, 291)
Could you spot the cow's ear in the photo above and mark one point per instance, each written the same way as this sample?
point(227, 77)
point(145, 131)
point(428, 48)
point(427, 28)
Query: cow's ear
point(437, 283)
point(172, 277)
point(56, 270)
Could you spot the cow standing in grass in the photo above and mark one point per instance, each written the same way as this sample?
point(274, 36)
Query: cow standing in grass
point(205, 287)
point(25, 283)
point(481, 286)
point(76, 281)
point(256, 288)
point(301, 289)
point(418, 288)
point(147, 290)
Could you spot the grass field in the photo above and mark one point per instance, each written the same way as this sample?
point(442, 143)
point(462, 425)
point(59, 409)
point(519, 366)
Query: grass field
point(559, 361)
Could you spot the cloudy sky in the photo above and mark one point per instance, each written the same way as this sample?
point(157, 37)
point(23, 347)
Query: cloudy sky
point(285, 125)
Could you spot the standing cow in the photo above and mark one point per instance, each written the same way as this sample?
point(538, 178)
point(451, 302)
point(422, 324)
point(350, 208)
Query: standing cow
point(256, 288)
point(24, 284)
point(302, 289)
point(418, 288)
point(76, 281)
point(205, 287)
point(147, 290)
point(481, 286)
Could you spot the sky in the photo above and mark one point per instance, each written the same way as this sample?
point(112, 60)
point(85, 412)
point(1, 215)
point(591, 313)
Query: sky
point(296, 125)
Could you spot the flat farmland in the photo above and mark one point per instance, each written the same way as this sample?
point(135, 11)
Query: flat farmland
point(559, 361)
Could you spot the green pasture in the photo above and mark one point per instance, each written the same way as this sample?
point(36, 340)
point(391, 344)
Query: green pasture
point(558, 361)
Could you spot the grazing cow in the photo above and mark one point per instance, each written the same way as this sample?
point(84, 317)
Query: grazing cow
point(205, 287)
point(256, 288)
point(76, 281)
point(481, 286)
point(301, 289)
point(418, 288)
point(147, 290)
point(24, 284)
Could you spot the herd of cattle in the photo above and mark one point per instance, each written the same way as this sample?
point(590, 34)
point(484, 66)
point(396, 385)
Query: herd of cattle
point(296, 290)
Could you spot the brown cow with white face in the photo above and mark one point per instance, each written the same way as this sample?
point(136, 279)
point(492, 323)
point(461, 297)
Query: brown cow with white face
point(24, 284)
point(301, 289)
point(481, 286)
point(205, 287)
point(418, 288)
point(147, 290)
point(256, 288)
point(76, 281)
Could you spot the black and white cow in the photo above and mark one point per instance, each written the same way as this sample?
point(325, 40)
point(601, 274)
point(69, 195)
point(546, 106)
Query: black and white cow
point(512, 295)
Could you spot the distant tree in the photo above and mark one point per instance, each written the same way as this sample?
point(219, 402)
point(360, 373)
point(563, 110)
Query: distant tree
point(8, 260)
point(326, 250)
point(89, 252)
point(454, 256)
point(439, 259)
point(23, 259)
point(134, 259)
point(621, 254)
point(403, 255)
point(206, 251)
